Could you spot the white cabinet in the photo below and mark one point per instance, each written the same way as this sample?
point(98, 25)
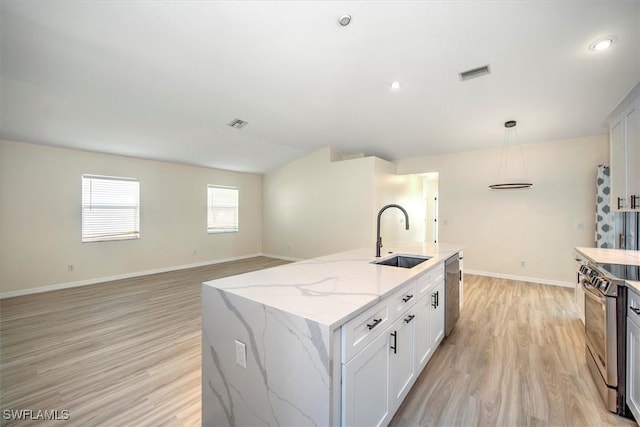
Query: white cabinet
point(424, 346)
point(429, 323)
point(386, 347)
point(437, 316)
point(365, 391)
point(624, 141)
point(633, 354)
point(402, 368)
point(578, 295)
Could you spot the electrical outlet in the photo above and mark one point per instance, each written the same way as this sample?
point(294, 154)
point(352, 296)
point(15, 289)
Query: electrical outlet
point(523, 263)
point(69, 267)
point(581, 226)
point(241, 354)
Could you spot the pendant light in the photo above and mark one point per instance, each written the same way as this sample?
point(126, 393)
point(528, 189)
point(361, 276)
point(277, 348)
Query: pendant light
point(508, 179)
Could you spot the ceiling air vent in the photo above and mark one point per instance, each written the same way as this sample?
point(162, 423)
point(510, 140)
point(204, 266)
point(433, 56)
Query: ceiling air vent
point(476, 72)
point(237, 123)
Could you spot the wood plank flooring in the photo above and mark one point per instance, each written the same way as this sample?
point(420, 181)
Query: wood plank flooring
point(127, 353)
point(122, 353)
point(515, 358)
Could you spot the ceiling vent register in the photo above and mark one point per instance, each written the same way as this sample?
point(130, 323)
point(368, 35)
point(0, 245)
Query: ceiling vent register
point(237, 123)
point(476, 72)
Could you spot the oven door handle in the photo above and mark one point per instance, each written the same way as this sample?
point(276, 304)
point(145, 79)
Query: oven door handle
point(592, 292)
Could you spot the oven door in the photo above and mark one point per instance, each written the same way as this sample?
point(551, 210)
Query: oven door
point(600, 330)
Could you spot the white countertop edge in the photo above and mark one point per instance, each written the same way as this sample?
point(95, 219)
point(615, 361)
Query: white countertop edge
point(335, 288)
point(610, 256)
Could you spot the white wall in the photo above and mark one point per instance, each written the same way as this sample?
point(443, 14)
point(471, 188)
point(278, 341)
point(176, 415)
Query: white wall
point(540, 225)
point(320, 204)
point(405, 190)
point(40, 231)
point(315, 206)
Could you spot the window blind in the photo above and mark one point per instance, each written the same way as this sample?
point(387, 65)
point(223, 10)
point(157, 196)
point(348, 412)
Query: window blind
point(110, 208)
point(222, 209)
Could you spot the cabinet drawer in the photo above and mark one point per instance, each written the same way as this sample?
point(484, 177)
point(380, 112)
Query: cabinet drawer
point(403, 299)
point(432, 276)
point(362, 330)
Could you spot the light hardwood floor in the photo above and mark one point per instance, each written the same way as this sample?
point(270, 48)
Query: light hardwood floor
point(515, 357)
point(122, 353)
point(127, 353)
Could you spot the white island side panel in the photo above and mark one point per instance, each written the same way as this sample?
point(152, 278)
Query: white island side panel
point(290, 365)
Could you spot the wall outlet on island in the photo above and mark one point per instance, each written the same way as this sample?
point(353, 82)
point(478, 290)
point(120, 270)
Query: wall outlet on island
point(523, 263)
point(69, 267)
point(241, 354)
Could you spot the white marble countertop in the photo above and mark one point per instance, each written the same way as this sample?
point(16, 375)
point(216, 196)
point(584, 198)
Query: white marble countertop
point(613, 256)
point(610, 256)
point(332, 289)
point(634, 285)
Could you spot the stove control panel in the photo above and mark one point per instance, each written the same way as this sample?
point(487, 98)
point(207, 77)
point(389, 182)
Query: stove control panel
point(595, 278)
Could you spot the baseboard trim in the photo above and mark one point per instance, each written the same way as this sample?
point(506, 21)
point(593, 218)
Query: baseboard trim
point(96, 280)
point(521, 278)
point(286, 258)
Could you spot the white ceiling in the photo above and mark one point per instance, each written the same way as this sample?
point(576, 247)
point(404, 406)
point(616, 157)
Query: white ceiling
point(161, 79)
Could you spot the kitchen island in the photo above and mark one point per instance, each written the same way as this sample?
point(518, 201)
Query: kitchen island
point(276, 343)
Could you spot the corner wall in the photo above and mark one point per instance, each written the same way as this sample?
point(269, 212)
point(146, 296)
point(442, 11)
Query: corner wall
point(40, 231)
point(316, 205)
point(500, 228)
point(320, 204)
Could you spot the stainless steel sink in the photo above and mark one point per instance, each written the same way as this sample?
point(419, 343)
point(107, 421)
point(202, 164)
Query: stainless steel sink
point(403, 261)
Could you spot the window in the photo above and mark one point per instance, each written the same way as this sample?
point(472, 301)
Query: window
point(110, 208)
point(222, 209)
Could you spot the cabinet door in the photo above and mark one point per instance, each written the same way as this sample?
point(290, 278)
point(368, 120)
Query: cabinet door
point(633, 367)
point(632, 123)
point(618, 165)
point(424, 349)
point(436, 321)
point(365, 388)
point(402, 367)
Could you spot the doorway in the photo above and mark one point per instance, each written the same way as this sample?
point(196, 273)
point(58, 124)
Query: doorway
point(430, 196)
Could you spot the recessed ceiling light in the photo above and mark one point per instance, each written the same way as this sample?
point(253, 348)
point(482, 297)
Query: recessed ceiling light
point(344, 20)
point(395, 85)
point(602, 44)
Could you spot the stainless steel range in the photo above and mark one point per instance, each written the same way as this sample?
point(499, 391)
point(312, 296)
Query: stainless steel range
point(605, 329)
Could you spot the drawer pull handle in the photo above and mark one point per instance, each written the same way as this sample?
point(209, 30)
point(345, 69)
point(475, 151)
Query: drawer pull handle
point(394, 347)
point(635, 310)
point(409, 318)
point(375, 323)
point(434, 300)
point(407, 298)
